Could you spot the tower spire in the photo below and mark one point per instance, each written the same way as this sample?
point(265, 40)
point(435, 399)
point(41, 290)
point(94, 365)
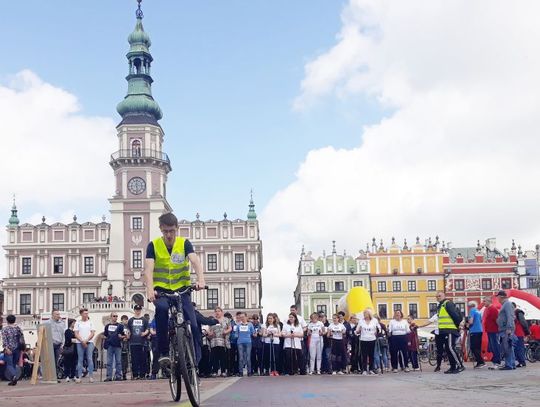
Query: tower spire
point(139, 106)
point(13, 220)
point(251, 213)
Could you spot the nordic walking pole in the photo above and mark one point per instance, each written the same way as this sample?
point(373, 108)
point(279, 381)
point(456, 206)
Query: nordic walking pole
point(418, 350)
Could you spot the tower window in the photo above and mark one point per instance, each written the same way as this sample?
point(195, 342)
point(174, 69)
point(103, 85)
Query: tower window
point(136, 148)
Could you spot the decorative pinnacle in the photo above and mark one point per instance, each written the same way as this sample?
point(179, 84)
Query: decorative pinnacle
point(139, 13)
point(197, 215)
point(333, 247)
point(224, 215)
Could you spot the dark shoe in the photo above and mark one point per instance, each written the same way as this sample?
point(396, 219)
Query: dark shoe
point(240, 375)
point(460, 369)
point(451, 371)
point(153, 377)
point(437, 369)
point(506, 368)
point(521, 365)
point(479, 365)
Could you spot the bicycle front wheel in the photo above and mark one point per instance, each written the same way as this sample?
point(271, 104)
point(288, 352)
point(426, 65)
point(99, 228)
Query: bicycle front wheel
point(175, 380)
point(187, 363)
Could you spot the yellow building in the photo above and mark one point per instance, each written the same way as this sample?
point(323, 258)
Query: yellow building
point(406, 278)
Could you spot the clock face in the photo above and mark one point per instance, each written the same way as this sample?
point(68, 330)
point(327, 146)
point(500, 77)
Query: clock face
point(136, 185)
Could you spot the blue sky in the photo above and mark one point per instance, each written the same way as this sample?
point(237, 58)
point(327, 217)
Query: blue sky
point(226, 74)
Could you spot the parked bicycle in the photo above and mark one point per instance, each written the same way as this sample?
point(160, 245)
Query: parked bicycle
point(182, 350)
point(533, 351)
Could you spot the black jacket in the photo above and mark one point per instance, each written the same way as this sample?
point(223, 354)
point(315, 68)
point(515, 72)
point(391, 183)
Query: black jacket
point(520, 317)
point(454, 313)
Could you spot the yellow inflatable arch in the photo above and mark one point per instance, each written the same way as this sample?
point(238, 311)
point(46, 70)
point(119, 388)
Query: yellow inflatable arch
point(355, 302)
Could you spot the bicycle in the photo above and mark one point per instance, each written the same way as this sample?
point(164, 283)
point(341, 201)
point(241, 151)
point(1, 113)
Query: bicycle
point(182, 350)
point(533, 351)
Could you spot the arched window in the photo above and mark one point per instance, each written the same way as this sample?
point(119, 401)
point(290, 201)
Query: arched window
point(137, 63)
point(136, 148)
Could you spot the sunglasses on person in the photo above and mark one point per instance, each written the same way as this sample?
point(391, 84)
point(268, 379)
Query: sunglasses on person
point(115, 316)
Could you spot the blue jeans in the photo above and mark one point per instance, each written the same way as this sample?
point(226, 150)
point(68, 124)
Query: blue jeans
point(244, 357)
point(381, 355)
point(114, 357)
point(162, 324)
point(89, 351)
point(507, 349)
point(11, 363)
point(494, 347)
point(519, 344)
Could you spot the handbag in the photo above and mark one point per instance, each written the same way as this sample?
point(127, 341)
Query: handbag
point(68, 350)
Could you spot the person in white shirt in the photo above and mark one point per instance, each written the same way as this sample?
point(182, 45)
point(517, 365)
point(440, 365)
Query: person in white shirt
point(271, 349)
point(368, 329)
point(398, 328)
point(293, 332)
point(336, 333)
point(84, 333)
point(315, 330)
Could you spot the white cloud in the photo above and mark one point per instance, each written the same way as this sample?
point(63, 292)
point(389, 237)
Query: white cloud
point(458, 155)
point(53, 154)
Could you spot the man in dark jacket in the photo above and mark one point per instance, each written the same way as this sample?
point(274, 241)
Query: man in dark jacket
point(450, 318)
point(112, 333)
point(522, 330)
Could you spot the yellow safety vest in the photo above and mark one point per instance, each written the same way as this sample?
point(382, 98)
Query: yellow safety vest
point(445, 320)
point(171, 271)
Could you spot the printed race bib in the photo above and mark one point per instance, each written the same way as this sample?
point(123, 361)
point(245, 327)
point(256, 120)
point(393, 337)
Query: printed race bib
point(177, 258)
point(244, 328)
point(137, 322)
point(112, 328)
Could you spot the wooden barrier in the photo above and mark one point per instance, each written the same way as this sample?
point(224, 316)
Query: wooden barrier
point(44, 357)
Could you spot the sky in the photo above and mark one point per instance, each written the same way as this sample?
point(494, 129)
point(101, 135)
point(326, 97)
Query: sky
point(349, 119)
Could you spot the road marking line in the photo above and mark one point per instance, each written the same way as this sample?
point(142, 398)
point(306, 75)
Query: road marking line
point(211, 393)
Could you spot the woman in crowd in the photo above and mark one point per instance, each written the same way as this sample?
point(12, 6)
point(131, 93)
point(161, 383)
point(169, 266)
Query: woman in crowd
point(315, 331)
point(355, 344)
point(398, 328)
point(292, 332)
point(336, 332)
point(327, 346)
point(368, 329)
point(381, 348)
point(13, 341)
point(69, 353)
point(218, 338)
point(412, 343)
point(281, 359)
point(257, 346)
point(271, 349)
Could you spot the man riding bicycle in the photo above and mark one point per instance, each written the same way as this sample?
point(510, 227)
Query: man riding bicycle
point(166, 270)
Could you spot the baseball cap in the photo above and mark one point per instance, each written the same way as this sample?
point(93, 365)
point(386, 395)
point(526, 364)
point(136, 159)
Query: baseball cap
point(137, 307)
point(501, 293)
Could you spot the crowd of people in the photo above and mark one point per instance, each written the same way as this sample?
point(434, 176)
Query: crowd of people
point(242, 344)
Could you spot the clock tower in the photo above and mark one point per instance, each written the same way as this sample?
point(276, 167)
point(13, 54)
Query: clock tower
point(140, 168)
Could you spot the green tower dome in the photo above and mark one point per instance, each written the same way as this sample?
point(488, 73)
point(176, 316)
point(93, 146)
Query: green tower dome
point(14, 219)
point(139, 106)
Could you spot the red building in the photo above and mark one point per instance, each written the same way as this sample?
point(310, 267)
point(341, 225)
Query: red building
point(473, 273)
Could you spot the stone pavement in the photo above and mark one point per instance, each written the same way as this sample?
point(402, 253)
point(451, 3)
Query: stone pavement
point(519, 388)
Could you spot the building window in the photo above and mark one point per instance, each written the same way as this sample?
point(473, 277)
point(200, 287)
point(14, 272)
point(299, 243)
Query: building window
point(212, 298)
point(339, 286)
point(239, 298)
point(506, 283)
point(136, 223)
point(413, 310)
point(486, 284)
point(381, 286)
point(398, 307)
point(396, 285)
point(433, 308)
point(88, 264)
point(58, 265)
point(383, 311)
point(321, 308)
point(58, 302)
point(320, 287)
point(239, 261)
point(459, 285)
point(136, 148)
point(212, 262)
point(136, 262)
point(411, 286)
point(432, 285)
point(88, 297)
point(531, 283)
point(358, 283)
point(27, 265)
point(25, 301)
point(461, 306)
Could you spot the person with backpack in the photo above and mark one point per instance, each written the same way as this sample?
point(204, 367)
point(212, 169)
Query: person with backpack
point(522, 330)
point(13, 340)
point(449, 320)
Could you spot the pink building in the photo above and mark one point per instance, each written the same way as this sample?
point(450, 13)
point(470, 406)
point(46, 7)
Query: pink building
point(66, 266)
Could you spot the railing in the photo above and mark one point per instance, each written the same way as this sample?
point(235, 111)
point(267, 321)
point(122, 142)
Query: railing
point(137, 153)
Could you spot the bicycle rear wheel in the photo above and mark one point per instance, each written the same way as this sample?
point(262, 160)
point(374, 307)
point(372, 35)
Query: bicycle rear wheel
point(187, 364)
point(175, 380)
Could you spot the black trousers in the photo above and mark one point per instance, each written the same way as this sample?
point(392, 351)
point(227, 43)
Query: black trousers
point(449, 341)
point(398, 351)
point(368, 353)
point(439, 344)
point(355, 353)
point(476, 346)
point(293, 360)
point(137, 360)
point(219, 359)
